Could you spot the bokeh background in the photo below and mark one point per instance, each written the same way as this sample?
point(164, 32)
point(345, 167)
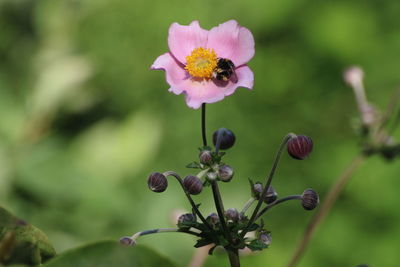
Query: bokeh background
point(83, 121)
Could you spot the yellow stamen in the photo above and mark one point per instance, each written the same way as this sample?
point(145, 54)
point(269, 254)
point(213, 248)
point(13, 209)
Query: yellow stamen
point(201, 63)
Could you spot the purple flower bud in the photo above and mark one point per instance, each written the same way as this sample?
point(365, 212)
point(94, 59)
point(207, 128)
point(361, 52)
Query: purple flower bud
point(300, 147)
point(157, 182)
point(225, 173)
point(187, 217)
point(271, 195)
point(127, 241)
point(212, 219)
point(309, 199)
point(206, 157)
point(227, 138)
point(232, 214)
point(265, 238)
point(256, 190)
point(193, 184)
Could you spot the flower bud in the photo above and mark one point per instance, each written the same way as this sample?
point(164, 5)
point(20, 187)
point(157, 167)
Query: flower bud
point(227, 138)
point(127, 241)
point(309, 199)
point(300, 146)
point(266, 238)
point(185, 220)
point(271, 195)
point(212, 219)
point(225, 173)
point(232, 214)
point(193, 184)
point(256, 190)
point(157, 182)
point(206, 157)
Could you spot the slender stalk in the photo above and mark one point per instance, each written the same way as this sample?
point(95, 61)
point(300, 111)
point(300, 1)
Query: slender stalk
point(203, 124)
point(233, 257)
point(219, 205)
point(276, 202)
point(270, 176)
point(325, 207)
point(248, 205)
point(194, 206)
point(162, 230)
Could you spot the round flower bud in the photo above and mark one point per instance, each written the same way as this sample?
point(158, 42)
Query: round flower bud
point(300, 147)
point(265, 238)
point(257, 190)
point(227, 138)
point(206, 157)
point(271, 195)
point(225, 173)
point(232, 214)
point(157, 182)
point(309, 199)
point(193, 184)
point(185, 220)
point(127, 241)
point(212, 219)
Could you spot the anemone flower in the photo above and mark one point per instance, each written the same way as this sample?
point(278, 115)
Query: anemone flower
point(206, 65)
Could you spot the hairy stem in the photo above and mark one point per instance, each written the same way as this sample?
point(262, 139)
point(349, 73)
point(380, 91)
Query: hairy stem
point(219, 205)
point(248, 205)
point(325, 207)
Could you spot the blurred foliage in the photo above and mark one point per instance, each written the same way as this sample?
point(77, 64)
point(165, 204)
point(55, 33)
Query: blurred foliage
point(83, 121)
point(22, 243)
point(109, 253)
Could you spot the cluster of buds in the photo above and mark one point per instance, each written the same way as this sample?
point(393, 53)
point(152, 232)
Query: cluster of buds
point(229, 228)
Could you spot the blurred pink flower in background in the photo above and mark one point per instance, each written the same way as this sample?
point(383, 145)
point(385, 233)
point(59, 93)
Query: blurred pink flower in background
point(206, 65)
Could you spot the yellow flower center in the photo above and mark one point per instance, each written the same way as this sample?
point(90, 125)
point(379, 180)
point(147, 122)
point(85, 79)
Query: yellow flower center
point(201, 63)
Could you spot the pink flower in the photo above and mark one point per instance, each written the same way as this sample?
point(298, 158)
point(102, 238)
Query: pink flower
point(206, 65)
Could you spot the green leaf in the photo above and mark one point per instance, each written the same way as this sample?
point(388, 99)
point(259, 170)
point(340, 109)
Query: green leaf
point(22, 243)
point(194, 165)
point(109, 253)
point(202, 242)
point(256, 245)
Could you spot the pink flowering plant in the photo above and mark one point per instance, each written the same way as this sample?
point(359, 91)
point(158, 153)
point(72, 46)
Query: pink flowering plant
point(206, 66)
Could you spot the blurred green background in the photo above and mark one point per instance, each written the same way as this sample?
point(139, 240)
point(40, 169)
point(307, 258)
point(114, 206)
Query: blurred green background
point(83, 121)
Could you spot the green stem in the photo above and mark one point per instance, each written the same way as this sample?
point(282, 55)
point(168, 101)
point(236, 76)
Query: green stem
point(194, 206)
point(220, 208)
point(203, 124)
point(248, 205)
point(233, 255)
point(276, 202)
point(270, 176)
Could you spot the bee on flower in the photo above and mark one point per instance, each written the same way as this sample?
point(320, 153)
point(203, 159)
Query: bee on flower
point(206, 65)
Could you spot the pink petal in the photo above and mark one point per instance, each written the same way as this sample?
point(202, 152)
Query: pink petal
point(198, 93)
point(229, 40)
point(174, 71)
point(183, 39)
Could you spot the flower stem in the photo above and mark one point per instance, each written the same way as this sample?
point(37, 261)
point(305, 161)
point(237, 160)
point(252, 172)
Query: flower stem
point(162, 230)
point(270, 176)
point(276, 202)
point(194, 206)
point(248, 205)
point(233, 257)
point(203, 124)
point(219, 205)
point(326, 206)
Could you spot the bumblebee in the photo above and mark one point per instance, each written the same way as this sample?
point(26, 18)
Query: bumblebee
point(225, 70)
